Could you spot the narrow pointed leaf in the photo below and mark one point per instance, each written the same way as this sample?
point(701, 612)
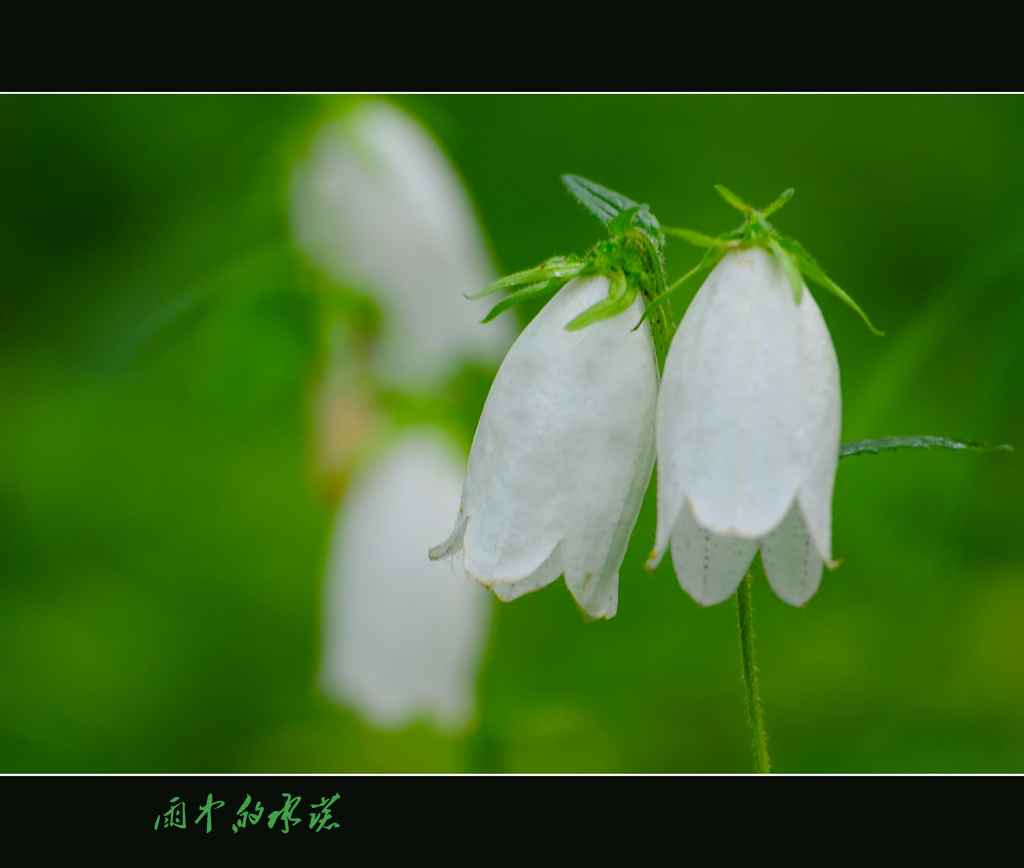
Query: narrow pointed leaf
point(790, 267)
point(606, 205)
point(697, 239)
point(778, 203)
point(546, 288)
point(885, 444)
point(603, 203)
point(810, 268)
point(650, 224)
point(732, 198)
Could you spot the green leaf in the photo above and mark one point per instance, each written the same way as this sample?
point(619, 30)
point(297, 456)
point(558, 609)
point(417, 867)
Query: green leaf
point(809, 266)
point(733, 199)
point(778, 203)
point(546, 288)
point(885, 444)
point(603, 203)
point(606, 205)
point(697, 239)
point(555, 267)
point(789, 266)
point(621, 295)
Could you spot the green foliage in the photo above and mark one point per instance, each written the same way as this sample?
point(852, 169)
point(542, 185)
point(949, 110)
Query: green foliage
point(607, 206)
point(887, 444)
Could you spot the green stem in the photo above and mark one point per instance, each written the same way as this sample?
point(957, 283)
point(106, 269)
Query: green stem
point(663, 327)
point(755, 713)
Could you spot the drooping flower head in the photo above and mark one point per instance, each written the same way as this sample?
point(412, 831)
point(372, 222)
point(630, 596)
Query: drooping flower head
point(403, 638)
point(564, 449)
point(562, 455)
point(377, 205)
point(748, 426)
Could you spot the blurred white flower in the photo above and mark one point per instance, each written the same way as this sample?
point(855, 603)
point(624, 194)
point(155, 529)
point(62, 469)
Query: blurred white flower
point(377, 205)
point(403, 637)
point(748, 431)
point(562, 455)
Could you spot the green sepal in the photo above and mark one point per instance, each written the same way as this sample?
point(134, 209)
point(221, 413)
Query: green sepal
point(790, 267)
point(557, 267)
point(697, 239)
point(535, 291)
point(621, 294)
point(885, 444)
point(808, 265)
point(606, 205)
point(711, 258)
point(784, 197)
point(733, 199)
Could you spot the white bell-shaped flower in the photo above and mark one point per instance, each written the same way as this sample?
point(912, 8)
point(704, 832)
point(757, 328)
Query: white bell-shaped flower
point(403, 637)
point(748, 431)
point(562, 455)
point(378, 206)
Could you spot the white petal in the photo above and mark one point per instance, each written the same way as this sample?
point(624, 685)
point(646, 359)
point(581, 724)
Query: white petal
point(378, 206)
point(671, 502)
point(451, 545)
point(563, 452)
point(403, 637)
point(731, 406)
point(545, 574)
point(821, 420)
point(709, 566)
point(790, 561)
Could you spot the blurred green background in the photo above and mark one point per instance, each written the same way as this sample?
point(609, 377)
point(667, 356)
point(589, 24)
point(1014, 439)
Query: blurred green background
point(162, 535)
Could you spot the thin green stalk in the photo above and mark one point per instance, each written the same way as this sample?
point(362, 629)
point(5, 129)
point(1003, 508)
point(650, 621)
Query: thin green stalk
point(663, 327)
point(755, 713)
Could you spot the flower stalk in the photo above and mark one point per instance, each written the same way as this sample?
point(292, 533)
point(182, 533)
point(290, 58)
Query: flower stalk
point(755, 711)
point(663, 327)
